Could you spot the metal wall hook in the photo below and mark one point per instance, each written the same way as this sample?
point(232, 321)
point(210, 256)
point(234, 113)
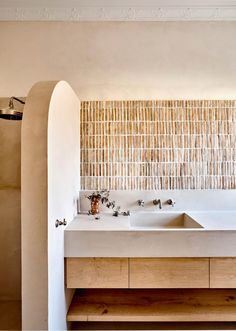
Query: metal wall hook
point(58, 223)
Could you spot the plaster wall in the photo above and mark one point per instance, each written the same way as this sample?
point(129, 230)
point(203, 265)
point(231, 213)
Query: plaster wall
point(121, 60)
point(63, 191)
point(50, 181)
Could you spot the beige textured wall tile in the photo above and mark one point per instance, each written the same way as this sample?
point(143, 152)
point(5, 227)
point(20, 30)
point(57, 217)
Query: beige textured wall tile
point(180, 144)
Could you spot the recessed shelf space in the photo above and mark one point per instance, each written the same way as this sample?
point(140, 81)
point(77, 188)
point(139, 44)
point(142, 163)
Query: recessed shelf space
point(152, 305)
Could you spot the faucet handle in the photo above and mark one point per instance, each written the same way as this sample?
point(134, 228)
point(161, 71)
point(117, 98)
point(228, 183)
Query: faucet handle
point(141, 203)
point(58, 222)
point(170, 202)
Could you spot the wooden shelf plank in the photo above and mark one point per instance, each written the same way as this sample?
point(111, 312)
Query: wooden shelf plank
point(198, 305)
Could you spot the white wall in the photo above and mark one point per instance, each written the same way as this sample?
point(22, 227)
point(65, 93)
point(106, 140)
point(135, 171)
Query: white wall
point(63, 190)
point(50, 182)
point(121, 60)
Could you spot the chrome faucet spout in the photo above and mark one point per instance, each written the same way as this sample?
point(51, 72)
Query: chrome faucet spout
point(157, 202)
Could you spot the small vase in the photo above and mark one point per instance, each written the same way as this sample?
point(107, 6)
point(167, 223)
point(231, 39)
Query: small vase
point(95, 206)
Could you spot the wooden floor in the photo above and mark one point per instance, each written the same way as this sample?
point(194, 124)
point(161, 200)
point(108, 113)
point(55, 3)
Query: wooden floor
point(192, 305)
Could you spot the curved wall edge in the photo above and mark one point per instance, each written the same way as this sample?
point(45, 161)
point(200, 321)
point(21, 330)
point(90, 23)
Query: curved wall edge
point(35, 181)
point(63, 186)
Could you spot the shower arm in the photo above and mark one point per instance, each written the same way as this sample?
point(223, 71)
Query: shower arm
point(14, 98)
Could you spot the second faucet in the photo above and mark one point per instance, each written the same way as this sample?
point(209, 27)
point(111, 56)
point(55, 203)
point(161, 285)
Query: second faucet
point(157, 202)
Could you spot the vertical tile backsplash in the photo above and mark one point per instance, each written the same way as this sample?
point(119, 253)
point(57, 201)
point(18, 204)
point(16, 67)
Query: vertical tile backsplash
point(151, 145)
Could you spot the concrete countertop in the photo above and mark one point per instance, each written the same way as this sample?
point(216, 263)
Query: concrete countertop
point(210, 220)
point(113, 237)
point(107, 222)
point(215, 220)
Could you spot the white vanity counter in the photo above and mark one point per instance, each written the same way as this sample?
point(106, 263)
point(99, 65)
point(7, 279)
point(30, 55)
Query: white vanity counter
point(114, 237)
point(107, 222)
point(215, 220)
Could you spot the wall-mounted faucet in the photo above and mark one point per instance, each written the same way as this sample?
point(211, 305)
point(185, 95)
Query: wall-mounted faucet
point(157, 202)
point(141, 203)
point(170, 202)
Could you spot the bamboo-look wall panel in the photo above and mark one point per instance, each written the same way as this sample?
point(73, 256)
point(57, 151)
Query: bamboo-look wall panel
point(151, 145)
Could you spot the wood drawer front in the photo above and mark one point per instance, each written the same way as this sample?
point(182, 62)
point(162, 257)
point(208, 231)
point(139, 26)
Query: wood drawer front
point(169, 273)
point(223, 272)
point(97, 272)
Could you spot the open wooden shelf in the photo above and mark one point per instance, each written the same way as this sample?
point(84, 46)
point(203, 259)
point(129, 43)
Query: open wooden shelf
point(197, 305)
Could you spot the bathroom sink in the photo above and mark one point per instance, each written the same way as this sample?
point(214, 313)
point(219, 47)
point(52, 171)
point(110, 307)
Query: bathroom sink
point(162, 220)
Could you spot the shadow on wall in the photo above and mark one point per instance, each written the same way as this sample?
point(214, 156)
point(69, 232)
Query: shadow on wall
point(10, 215)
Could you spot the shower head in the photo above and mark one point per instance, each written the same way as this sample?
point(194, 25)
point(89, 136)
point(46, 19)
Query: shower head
point(11, 113)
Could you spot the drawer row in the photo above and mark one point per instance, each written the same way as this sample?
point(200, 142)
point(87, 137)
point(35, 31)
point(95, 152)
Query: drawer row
point(151, 272)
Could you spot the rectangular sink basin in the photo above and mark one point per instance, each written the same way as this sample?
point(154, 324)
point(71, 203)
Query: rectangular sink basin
point(162, 220)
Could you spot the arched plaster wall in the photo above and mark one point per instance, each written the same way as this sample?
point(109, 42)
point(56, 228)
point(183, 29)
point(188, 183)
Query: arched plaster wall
point(50, 183)
point(63, 190)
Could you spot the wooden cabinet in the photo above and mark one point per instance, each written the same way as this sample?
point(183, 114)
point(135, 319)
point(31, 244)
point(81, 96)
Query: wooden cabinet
point(152, 289)
point(169, 273)
point(223, 272)
point(97, 272)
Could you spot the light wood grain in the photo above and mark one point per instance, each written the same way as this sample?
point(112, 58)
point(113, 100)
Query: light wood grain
point(97, 272)
point(223, 272)
point(204, 305)
point(169, 273)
